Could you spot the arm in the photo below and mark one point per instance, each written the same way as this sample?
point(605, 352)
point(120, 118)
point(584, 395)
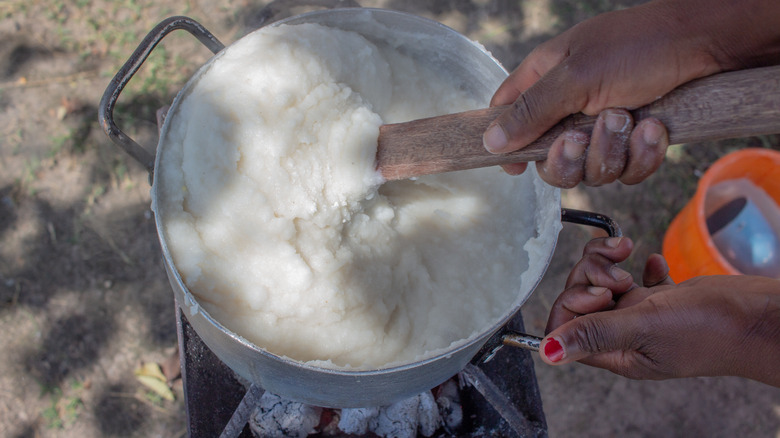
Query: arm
point(707, 326)
point(625, 59)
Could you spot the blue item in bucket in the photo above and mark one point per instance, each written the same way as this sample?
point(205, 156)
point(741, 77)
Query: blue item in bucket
point(745, 238)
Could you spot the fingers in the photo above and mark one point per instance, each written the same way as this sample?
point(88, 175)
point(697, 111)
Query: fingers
point(677, 331)
point(519, 125)
point(598, 264)
point(577, 301)
point(593, 282)
point(615, 150)
point(608, 150)
point(565, 163)
point(533, 113)
point(655, 279)
point(589, 335)
point(515, 168)
point(656, 272)
point(647, 149)
point(598, 160)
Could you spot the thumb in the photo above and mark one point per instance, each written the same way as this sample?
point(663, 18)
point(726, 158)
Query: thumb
point(606, 334)
point(537, 110)
point(656, 272)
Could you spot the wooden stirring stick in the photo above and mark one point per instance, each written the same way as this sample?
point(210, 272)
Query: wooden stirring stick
point(727, 105)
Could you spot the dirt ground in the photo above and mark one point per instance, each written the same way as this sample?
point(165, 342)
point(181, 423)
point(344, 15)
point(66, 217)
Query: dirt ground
point(84, 299)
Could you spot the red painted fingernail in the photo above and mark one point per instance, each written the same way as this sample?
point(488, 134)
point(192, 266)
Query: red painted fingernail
point(553, 350)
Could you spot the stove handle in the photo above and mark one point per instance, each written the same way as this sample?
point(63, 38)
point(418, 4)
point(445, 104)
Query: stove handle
point(123, 76)
point(597, 220)
point(531, 342)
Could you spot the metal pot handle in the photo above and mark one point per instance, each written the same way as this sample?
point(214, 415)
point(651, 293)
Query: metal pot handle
point(531, 342)
point(123, 76)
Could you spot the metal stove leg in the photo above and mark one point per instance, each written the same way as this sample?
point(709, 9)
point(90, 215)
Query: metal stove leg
point(241, 416)
point(211, 390)
point(482, 383)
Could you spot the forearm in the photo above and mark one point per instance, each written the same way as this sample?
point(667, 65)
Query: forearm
point(735, 33)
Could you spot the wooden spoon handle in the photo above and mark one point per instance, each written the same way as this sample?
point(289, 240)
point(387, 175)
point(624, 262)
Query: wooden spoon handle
point(727, 105)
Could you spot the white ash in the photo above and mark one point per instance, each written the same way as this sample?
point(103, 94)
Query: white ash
point(449, 405)
point(421, 414)
point(428, 416)
point(275, 417)
point(357, 421)
point(398, 420)
point(403, 419)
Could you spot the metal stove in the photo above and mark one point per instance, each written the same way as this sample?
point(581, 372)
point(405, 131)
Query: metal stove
point(501, 398)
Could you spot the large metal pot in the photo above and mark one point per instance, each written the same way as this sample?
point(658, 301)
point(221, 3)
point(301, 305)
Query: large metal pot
point(475, 70)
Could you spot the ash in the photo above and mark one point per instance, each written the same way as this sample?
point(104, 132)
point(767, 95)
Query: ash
point(421, 414)
point(275, 417)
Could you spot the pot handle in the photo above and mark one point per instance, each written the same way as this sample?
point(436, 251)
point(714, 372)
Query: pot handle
point(123, 76)
point(531, 342)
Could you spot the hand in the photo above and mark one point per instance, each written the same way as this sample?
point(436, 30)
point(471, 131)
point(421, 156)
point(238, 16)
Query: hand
point(706, 326)
point(617, 60)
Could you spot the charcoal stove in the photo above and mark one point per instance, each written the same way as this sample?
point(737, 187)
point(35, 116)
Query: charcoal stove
point(502, 398)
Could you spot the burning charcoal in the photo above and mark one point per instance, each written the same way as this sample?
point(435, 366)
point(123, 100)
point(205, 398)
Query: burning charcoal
point(329, 423)
point(278, 418)
point(428, 414)
point(450, 389)
point(451, 413)
point(358, 421)
point(449, 405)
point(404, 418)
point(399, 420)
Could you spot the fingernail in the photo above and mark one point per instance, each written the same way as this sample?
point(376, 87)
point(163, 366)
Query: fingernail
point(597, 291)
point(553, 350)
point(616, 122)
point(652, 133)
point(613, 242)
point(618, 274)
point(514, 168)
point(494, 139)
point(573, 147)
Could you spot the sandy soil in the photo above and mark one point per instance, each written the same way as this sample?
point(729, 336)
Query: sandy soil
point(84, 299)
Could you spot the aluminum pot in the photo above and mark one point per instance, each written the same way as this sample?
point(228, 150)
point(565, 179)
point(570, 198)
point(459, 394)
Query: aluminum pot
point(476, 71)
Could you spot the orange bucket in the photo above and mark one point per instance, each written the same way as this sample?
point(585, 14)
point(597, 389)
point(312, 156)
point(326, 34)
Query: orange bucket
point(688, 246)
